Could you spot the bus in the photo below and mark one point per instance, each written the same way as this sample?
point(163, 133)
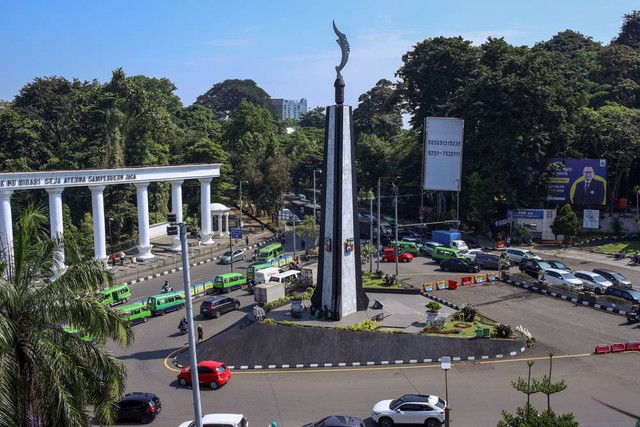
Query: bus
point(269, 252)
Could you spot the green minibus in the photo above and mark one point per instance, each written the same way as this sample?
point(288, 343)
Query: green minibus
point(269, 252)
point(135, 313)
point(115, 295)
point(164, 303)
point(280, 261)
point(229, 282)
point(442, 253)
point(404, 246)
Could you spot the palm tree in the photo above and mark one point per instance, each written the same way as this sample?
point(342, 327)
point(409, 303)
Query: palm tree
point(49, 377)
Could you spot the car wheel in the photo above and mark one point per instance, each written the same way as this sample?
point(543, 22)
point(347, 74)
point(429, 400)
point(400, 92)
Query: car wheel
point(236, 306)
point(432, 422)
point(385, 422)
point(405, 260)
point(214, 385)
point(445, 268)
point(183, 382)
point(598, 291)
point(124, 300)
point(146, 419)
point(145, 319)
point(216, 314)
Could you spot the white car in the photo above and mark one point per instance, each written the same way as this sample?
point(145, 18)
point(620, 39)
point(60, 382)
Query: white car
point(471, 254)
point(516, 254)
point(561, 277)
point(237, 255)
point(220, 420)
point(410, 409)
point(593, 281)
point(429, 247)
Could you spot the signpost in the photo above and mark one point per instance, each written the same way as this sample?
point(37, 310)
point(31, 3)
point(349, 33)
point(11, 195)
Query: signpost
point(235, 234)
point(445, 364)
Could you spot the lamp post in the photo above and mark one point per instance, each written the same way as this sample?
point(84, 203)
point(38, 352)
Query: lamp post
point(246, 182)
point(457, 181)
point(445, 364)
point(371, 229)
point(315, 218)
point(110, 235)
point(395, 203)
point(378, 245)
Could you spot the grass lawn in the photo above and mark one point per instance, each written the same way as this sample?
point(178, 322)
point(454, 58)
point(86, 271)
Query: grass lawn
point(467, 329)
point(370, 280)
point(629, 246)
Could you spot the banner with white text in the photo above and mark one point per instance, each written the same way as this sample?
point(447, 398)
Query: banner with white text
point(443, 153)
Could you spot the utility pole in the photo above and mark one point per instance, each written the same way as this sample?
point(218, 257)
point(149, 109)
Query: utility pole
point(371, 229)
point(378, 221)
point(395, 202)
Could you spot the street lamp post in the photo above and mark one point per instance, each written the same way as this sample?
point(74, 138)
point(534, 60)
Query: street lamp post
point(110, 235)
point(457, 203)
point(445, 364)
point(380, 178)
point(395, 202)
point(315, 218)
point(371, 229)
point(246, 182)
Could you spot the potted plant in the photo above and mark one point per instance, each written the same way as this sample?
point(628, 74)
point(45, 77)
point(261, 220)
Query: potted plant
point(432, 311)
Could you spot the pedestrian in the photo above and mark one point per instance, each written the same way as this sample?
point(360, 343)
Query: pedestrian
point(113, 259)
point(200, 333)
point(261, 227)
point(246, 240)
point(122, 255)
point(508, 241)
point(303, 244)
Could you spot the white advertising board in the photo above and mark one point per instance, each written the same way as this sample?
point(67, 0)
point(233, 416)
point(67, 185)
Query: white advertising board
point(591, 218)
point(443, 153)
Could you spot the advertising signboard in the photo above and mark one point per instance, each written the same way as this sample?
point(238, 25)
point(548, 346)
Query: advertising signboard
point(579, 181)
point(591, 218)
point(443, 153)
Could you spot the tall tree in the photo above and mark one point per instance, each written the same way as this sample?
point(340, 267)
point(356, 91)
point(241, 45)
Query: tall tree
point(49, 377)
point(379, 112)
point(223, 98)
point(630, 32)
point(314, 118)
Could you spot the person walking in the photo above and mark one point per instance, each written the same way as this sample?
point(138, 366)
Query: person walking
point(246, 240)
point(200, 333)
point(113, 259)
point(122, 255)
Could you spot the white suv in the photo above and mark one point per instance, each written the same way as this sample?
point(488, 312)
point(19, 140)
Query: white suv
point(410, 409)
point(561, 277)
point(593, 281)
point(220, 420)
point(516, 254)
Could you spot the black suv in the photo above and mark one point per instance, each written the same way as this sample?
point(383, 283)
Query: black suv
point(143, 407)
point(215, 306)
point(630, 295)
point(533, 266)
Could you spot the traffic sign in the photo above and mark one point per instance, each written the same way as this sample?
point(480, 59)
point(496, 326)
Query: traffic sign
point(236, 233)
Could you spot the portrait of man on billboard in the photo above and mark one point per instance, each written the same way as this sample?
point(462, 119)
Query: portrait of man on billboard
point(589, 189)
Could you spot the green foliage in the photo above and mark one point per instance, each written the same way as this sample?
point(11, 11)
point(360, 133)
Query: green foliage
point(366, 252)
point(223, 98)
point(432, 307)
point(314, 118)
point(365, 325)
point(528, 416)
point(469, 312)
point(566, 222)
point(308, 227)
point(503, 331)
point(390, 280)
point(378, 112)
point(85, 234)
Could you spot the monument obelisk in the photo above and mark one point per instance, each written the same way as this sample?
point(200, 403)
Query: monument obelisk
point(339, 286)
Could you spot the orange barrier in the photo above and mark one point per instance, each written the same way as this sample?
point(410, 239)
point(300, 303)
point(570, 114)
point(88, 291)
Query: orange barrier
point(453, 284)
point(616, 347)
point(632, 345)
point(491, 277)
point(478, 278)
point(466, 280)
point(500, 244)
point(427, 287)
point(602, 349)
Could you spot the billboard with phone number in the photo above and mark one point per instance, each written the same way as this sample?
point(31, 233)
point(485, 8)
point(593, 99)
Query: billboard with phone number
point(443, 153)
point(579, 181)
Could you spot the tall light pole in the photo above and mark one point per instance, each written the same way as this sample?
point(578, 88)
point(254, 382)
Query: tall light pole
point(315, 218)
point(395, 202)
point(181, 228)
point(378, 220)
point(457, 181)
point(445, 365)
point(110, 235)
point(246, 182)
point(371, 229)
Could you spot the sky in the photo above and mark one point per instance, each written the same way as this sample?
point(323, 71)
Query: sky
point(287, 47)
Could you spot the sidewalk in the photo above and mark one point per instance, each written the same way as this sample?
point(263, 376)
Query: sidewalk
point(166, 260)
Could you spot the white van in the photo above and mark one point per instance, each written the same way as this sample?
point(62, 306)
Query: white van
point(263, 276)
point(460, 245)
point(286, 277)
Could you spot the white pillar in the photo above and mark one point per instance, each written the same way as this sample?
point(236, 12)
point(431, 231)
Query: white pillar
point(220, 228)
point(205, 210)
point(176, 208)
point(57, 228)
point(6, 231)
point(226, 223)
point(97, 211)
point(144, 243)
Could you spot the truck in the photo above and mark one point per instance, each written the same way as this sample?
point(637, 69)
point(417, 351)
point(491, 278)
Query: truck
point(450, 239)
point(310, 274)
point(268, 292)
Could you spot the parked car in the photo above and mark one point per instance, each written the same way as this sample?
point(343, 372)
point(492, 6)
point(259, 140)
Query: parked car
point(472, 253)
point(211, 373)
point(415, 240)
point(142, 407)
point(593, 281)
point(617, 279)
point(218, 305)
point(429, 247)
point(561, 277)
point(220, 420)
point(459, 264)
point(517, 254)
point(388, 255)
point(410, 409)
point(533, 267)
point(236, 255)
point(337, 421)
point(630, 295)
point(491, 261)
point(558, 265)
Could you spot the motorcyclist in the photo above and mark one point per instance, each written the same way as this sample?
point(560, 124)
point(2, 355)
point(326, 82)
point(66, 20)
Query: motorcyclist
point(636, 258)
point(166, 287)
point(182, 326)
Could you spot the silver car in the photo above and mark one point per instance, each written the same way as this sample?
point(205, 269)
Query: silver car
point(236, 254)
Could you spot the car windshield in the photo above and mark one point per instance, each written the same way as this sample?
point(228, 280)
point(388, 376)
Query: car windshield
point(559, 264)
point(618, 276)
point(568, 276)
point(220, 369)
point(544, 265)
point(227, 253)
point(393, 405)
point(634, 294)
point(529, 254)
point(600, 279)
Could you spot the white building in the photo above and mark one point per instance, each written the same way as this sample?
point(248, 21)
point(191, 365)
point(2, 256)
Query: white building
point(290, 108)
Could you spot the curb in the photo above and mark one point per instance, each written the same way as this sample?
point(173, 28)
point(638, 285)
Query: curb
point(193, 264)
point(523, 284)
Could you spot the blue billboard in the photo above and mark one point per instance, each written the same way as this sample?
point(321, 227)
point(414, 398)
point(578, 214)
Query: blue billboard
point(579, 181)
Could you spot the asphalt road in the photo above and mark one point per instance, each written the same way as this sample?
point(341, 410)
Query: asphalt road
point(477, 391)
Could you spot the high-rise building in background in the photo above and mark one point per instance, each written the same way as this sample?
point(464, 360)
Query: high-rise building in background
point(290, 108)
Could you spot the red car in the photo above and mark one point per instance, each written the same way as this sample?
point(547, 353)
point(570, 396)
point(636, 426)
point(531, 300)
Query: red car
point(389, 255)
point(211, 373)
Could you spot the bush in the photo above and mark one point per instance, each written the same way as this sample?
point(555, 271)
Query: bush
point(503, 331)
point(469, 313)
point(432, 306)
point(366, 325)
point(390, 280)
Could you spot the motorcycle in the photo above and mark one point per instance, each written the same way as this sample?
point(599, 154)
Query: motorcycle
point(633, 316)
point(182, 326)
point(250, 285)
point(166, 288)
